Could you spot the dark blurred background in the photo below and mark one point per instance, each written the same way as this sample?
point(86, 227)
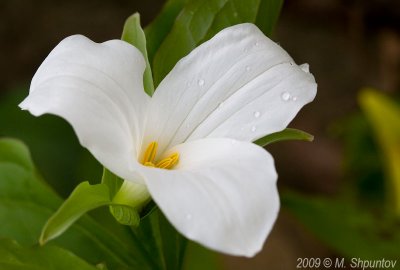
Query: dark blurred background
point(349, 44)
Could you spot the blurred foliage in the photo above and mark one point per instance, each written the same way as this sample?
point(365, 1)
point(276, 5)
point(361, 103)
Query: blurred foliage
point(384, 116)
point(362, 165)
point(16, 257)
point(363, 220)
point(346, 226)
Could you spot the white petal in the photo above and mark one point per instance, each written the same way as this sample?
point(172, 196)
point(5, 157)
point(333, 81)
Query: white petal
point(222, 194)
point(231, 86)
point(98, 89)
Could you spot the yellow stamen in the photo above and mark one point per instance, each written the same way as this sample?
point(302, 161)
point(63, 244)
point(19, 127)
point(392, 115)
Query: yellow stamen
point(166, 163)
point(150, 153)
point(169, 162)
point(149, 164)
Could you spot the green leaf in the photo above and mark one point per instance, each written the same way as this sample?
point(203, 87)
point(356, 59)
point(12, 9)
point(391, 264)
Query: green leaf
point(159, 28)
point(199, 258)
point(13, 152)
point(161, 241)
point(200, 20)
point(26, 203)
point(55, 147)
point(133, 34)
point(348, 229)
point(173, 243)
point(288, 134)
point(384, 116)
point(84, 198)
point(15, 257)
point(125, 215)
point(112, 181)
point(268, 15)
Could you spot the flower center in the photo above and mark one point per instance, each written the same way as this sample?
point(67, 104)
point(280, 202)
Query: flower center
point(150, 155)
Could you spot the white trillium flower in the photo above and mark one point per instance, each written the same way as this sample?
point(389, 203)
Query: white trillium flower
point(194, 135)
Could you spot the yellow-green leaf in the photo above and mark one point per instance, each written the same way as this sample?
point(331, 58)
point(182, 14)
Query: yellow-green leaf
point(384, 116)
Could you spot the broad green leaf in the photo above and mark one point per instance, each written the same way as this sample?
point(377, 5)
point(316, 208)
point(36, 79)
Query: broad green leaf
point(112, 181)
point(346, 228)
point(268, 15)
point(149, 235)
point(84, 198)
point(199, 258)
point(11, 152)
point(288, 134)
point(26, 203)
point(173, 243)
point(133, 34)
point(384, 116)
point(54, 146)
point(159, 28)
point(200, 20)
point(161, 241)
point(15, 257)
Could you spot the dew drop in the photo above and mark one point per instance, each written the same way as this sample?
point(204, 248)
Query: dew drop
point(285, 96)
point(254, 128)
point(257, 114)
point(200, 82)
point(248, 68)
point(294, 98)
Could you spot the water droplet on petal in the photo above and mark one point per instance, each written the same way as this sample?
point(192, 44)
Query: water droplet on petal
point(257, 114)
point(285, 96)
point(188, 216)
point(253, 128)
point(200, 82)
point(248, 68)
point(294, 98)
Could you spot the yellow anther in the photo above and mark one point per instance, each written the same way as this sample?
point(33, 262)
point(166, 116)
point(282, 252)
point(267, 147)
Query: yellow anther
point(149, 164)
point(169, 162)
point(166, 163)
point(150, 153)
